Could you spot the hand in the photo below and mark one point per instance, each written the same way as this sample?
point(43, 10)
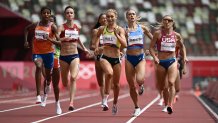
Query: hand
point(185, 60)
point(184, 70)
point(147, 52)
point(98, 50)
point(26, 44)
point(156, 60)
point(116, 31)
point(121, 55)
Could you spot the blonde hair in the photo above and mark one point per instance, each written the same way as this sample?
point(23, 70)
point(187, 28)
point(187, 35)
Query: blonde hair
point(111, 10)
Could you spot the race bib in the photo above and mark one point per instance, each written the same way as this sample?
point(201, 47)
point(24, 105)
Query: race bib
point(109, 39)
point(165, 46)
point(132, 40)
point(41, 35)
point(74, 34)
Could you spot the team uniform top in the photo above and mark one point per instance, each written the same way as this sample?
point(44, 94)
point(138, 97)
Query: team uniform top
point(41, 45)
point(109, 39)
point(70, 33)
point(167, 43)
point(135, 39)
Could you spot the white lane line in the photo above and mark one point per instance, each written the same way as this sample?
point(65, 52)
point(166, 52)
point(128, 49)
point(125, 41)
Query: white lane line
point(82, 108)
point(33, 97)
point(9, 95)
point(26, 98)
point(206, 106)
point(145, 108)
point(62, 100)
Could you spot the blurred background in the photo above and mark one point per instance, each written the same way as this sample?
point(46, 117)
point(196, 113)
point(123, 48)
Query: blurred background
point(196, 20)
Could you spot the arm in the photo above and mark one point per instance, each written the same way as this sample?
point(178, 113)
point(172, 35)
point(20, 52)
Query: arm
point(147, 32)
point(92, 45)
point(97, 40)
point(152, 46)
point(57, 38)
point(184, 59)
point(26, 32)
point(182, 47)
point(120, 34)
point(150, 36)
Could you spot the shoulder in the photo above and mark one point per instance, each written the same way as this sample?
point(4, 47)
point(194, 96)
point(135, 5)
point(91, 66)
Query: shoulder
point(157, 33)
point(101, 28)
point(178, 35)
point(53, 25)
point(120, 29)
point(94, 31)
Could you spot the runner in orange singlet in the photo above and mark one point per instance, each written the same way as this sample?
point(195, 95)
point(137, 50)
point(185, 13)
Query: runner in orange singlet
point(42, 48)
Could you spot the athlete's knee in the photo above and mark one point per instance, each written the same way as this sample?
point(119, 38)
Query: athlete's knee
point(116, 85)
point(171, 83)
point(72, 78)
point(109, 74)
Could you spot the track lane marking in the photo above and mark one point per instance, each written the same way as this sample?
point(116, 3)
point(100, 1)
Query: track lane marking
point(62, 100)
point(82, 108)
point(145, 108)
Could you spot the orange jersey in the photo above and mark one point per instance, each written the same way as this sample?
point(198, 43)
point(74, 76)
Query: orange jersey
point(41, 45)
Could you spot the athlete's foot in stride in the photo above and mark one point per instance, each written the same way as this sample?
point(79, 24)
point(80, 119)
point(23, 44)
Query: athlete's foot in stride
point(169, 110)
point(114, 110)
point(71, 108)
point(105, 107)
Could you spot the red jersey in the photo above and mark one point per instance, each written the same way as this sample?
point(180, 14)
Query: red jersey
point(70, 33)
point(167, 43)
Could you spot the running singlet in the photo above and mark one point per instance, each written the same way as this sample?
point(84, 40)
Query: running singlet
point(101, 41)
point(69, 32)
point(57, 51)
point(110, 39)
point(135, 39)
point(167, 43)
point(41, 45)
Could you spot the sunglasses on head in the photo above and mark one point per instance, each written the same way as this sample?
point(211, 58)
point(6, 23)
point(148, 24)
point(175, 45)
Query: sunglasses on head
point(169, 20)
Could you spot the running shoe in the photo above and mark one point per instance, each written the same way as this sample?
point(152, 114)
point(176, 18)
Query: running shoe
point(136, 112)
point(169, 110)
point(71, 108)
point(47, 88)
point(105, 106)
point(102, 103)
point(58, 108)
point(44, 99)
point(114, 110)
point(164, 109)
point(160, 103)
point(141, 89)
point(38, 99)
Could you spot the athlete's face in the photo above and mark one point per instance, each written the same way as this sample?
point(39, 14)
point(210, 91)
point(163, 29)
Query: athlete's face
point(46, 14)
point(131, 16)
point(167, 22)
point(103, 20)
point(51, 19)
point(69, 14)
point(111, 17)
